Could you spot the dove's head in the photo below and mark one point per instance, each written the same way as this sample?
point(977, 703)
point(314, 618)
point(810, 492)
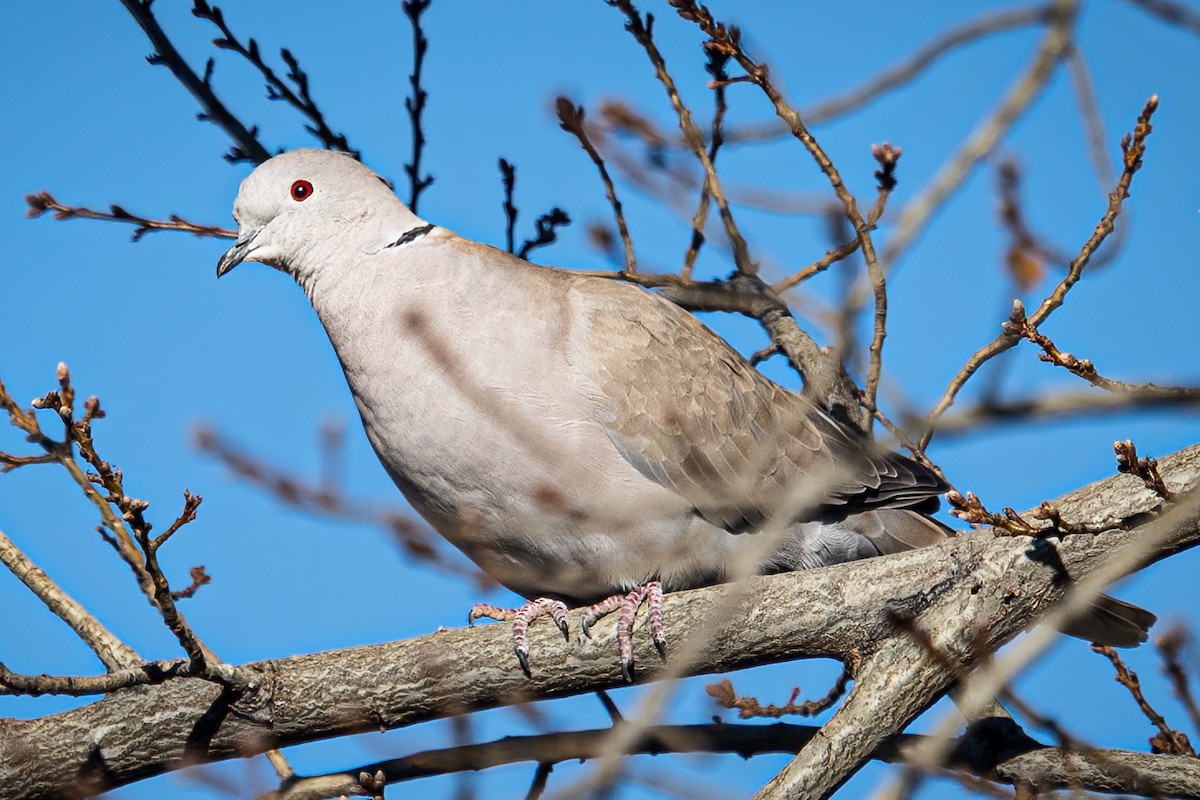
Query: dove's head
point(299, 205)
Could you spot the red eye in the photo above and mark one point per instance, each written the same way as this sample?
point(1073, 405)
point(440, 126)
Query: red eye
point(301, 190)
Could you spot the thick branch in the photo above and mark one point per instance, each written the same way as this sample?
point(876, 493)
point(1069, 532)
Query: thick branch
point(1003, 760)
point(965, 589)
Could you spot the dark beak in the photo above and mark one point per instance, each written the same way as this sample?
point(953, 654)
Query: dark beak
point(234, 255)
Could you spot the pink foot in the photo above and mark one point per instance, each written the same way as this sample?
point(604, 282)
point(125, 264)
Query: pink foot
point(521, 618)
point(627, 606)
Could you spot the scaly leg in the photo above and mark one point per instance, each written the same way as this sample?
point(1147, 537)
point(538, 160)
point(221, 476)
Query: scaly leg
point(627, 606)
point(521, 618)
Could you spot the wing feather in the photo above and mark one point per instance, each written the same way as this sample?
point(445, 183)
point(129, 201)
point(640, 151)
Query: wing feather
point(687, 411)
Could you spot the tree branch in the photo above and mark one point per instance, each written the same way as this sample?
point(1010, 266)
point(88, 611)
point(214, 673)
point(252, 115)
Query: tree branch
point(960, 589)
point(41, 202)
point(1005, 759)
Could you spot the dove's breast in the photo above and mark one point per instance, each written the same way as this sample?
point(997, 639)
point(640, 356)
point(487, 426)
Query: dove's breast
point(466, 394)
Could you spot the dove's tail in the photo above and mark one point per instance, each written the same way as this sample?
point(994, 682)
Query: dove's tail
point(1113, 622)
point(1106, 621)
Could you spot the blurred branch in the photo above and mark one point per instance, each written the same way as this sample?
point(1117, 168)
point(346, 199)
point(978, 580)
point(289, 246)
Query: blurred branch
point(1089, 113)
point(324, 499)
point(918, 211)
point(415, 105)
point(246, 144)
point(898, 75)
point(969, 418)
point(1177, 14)
point(837, 611)
point(1170, 645)
point(912, 67)
point(42, 202)
point(277, 89)
point(113, 653)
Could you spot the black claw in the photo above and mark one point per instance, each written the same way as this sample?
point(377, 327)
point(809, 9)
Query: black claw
point(470, 621)
point(566, 630)
point(523, 657)
point(627, 670)
point(661, 646)
point(587, 628)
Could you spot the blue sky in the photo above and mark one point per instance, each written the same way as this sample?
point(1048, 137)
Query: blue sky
point(147, 327)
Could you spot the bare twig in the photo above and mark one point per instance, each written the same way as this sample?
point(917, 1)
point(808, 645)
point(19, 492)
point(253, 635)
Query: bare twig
point(41, 202)
point(415, 105)
point(570, 118)
point(139, 674)
point(508, 179)
point(715, 62)
point(729, 40)
point(886, 156)
point(62, 452)
point(1144, 468)
point(747, 707)
point(642, 31)
point(1133, 147)
point(1168, 740)
point(128, 531)
point(246, 145)
point(277, 88)
point(546, 231)
point(1084, 368)
point(970, 509)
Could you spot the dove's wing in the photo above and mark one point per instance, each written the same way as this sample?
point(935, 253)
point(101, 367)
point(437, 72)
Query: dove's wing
point(690, 413)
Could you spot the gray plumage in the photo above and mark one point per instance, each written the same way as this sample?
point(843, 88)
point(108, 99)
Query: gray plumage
point(574, 436)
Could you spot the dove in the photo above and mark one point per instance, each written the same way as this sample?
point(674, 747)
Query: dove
point(582, 440)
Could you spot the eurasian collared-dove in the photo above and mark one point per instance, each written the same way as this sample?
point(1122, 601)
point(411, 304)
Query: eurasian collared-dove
point(580, 439)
